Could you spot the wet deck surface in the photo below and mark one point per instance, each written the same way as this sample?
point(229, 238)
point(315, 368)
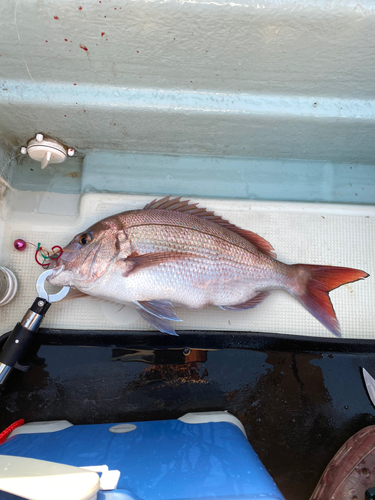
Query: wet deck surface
point(298, 408)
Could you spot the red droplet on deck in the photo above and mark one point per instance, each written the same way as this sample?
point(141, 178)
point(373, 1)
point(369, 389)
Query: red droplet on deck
point(79, 8)
point(83, 47)
point(102, 34)
point(55, 17)
point(65, 39)
point(46, 41)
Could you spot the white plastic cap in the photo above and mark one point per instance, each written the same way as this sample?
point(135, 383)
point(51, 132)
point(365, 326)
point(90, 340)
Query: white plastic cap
point(46, 150)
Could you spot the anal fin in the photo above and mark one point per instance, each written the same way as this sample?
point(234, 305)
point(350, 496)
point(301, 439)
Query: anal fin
point(250, 304)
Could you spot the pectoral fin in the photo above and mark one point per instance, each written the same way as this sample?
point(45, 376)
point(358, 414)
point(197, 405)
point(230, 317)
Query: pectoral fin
point(135, 263)
point(250, 304)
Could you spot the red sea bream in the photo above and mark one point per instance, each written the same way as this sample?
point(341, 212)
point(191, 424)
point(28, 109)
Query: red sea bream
point(172, 253)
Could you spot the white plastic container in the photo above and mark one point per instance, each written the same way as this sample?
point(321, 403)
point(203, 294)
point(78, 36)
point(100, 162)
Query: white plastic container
point(8, 286)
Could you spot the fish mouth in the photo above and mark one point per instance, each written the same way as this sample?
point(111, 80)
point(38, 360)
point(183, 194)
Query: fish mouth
point(56, 263)
point(56, 268)
point(68, 254)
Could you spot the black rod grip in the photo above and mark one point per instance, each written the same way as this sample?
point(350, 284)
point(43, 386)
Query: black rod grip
point(17, 345)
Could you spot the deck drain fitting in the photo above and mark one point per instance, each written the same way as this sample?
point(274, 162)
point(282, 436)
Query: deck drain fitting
point(46, 150)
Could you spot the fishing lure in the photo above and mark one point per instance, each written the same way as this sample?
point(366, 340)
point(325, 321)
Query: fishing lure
point(55, 253)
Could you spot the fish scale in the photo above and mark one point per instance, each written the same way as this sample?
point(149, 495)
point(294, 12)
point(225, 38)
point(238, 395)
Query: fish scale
point(173, 253)
point(234, 265)
point(167, 218)
point(156, 238)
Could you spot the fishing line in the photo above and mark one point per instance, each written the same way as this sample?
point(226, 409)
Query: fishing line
point(4, 167)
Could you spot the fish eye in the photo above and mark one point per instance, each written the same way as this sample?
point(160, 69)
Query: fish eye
point(85, 238)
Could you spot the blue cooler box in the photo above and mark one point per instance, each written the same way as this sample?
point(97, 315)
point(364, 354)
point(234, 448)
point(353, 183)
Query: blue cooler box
point(200, 456)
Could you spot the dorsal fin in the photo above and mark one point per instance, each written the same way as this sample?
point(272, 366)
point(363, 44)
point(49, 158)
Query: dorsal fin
point(177, 205)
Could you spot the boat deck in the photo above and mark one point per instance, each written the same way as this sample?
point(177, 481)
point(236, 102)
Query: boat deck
point(298, 400)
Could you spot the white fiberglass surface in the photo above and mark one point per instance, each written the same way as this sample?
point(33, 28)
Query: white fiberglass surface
point(329, 234)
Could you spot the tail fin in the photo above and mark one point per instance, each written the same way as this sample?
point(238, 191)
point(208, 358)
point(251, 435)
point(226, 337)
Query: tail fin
point(313, 285)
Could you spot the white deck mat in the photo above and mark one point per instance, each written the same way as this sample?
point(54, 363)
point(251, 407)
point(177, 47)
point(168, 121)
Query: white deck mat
point(342, 235)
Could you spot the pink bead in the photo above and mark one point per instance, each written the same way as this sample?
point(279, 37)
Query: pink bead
point(19, 245)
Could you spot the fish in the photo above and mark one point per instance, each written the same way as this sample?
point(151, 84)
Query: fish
point(173, 253)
